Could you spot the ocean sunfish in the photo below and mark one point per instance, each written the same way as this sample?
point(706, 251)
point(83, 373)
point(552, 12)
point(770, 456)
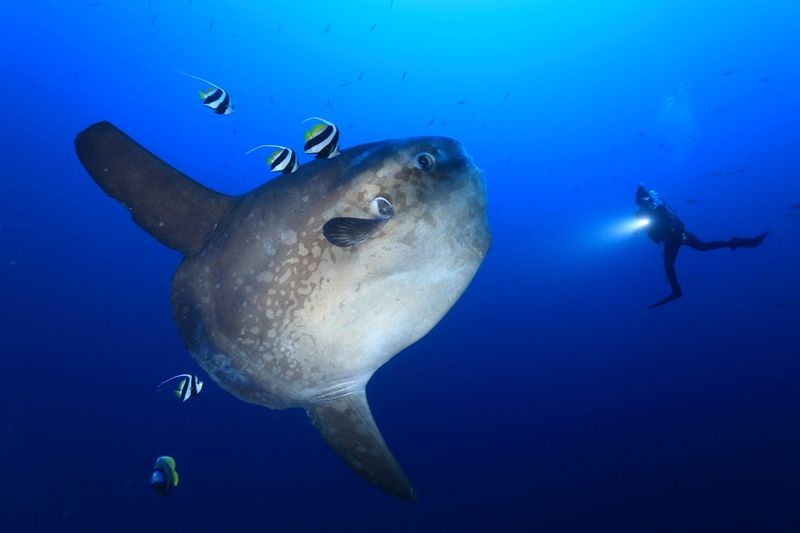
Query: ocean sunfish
point(281, 315)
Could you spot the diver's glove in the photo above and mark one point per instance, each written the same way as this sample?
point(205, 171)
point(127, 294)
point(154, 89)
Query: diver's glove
point(674, 296)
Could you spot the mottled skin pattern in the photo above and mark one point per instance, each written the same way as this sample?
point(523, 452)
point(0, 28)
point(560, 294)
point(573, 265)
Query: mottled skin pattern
point(280, 317)
point(276, 314)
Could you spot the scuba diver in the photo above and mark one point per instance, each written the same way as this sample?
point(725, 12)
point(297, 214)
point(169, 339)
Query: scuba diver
point(665, 228)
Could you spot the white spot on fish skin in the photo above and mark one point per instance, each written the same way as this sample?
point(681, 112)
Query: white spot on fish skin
point(255, 330)
point(265, 276)
point(160, 224)
point(302, 250)
point(105, 170)
point(305, 198)
point(289, 237)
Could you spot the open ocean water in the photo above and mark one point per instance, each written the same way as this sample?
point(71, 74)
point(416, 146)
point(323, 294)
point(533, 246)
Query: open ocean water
point(549, 398)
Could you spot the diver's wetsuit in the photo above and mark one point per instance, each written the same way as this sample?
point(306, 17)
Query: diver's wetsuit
point(667, 229)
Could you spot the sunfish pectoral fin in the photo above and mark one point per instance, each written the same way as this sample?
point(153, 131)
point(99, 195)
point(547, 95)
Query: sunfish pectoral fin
point(348, 231)
point(169, 205)
point(347, 426)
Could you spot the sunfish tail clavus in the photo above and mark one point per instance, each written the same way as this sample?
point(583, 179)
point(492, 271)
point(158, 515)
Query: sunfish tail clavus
point(294, 294)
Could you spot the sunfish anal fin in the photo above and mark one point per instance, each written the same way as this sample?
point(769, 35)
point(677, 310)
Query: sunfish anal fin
point(347, 426)
point(167, 204)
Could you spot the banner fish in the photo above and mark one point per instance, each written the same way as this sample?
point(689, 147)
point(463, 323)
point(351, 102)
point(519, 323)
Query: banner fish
point(215, 97)
point(282, 160)
point(322, 140)
point(189, 386)
point(164, 476)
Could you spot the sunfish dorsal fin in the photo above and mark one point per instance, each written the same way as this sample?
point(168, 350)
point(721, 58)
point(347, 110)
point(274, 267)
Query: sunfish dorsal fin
point(167, 204)
point(347, 425)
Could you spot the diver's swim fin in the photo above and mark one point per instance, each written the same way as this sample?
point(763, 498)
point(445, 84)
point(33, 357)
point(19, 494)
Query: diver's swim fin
point(752, 242)
point(167, 204)
point(666, 299)
point(347, 426)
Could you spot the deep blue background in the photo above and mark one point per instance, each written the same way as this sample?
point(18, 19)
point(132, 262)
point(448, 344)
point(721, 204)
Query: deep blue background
point(550, 398)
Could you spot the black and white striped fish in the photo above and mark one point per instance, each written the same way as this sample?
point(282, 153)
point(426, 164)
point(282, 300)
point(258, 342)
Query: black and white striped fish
point(282, 160)
point(215, 97)
point(189, 386)
point(322, 140)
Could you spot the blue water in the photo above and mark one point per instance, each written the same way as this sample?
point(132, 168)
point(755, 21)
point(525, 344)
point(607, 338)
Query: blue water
point(550, 398)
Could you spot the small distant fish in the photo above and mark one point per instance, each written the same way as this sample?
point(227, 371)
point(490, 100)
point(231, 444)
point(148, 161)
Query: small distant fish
point(322, 140)
point(443, 122)
point(215, 98)
point(507, 96)
point(483, 123)
point(361, 76)
point(716, 173)
point(94, 4)
point(329, 104)
point(792, 215)
point(391, 3)
point(189, 386)
point(153, 21)
point(211, 24)
point(431, 121)
point(692, 201)
point(373, 26)
point(326, 29)
point(281, 160)
point(344, 84)
point(278, 29)
point(404, 75)
point(766, 80)
point(462, 102)
point(164, 477)
point(795, 206)
point(641, 134)
point(727, 72)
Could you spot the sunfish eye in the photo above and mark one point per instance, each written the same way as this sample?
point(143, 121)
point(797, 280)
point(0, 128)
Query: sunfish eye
point(382, 207)
point(424, 161)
